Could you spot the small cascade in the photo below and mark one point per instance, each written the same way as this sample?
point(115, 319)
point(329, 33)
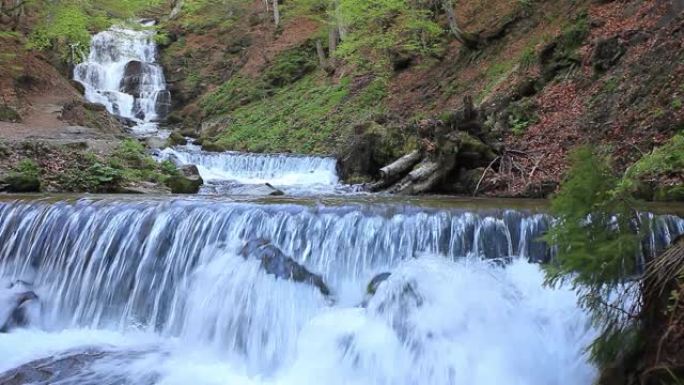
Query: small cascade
point(161, 282)
point(229, 172)
point(122, 74)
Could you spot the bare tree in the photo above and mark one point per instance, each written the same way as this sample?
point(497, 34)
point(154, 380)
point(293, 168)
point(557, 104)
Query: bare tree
point(276, 13)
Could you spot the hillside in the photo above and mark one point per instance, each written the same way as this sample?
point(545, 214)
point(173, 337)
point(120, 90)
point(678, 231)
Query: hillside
point(543, 77)
point(546, 76)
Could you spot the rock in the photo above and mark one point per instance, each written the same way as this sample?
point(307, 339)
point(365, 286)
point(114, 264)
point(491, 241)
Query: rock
point(275, 262)
point(147, 188)
point(155, 142)
point(258, 190)
point(8, 114)
point(176, 139)
point(128, 122)
point(97, 107)
point(187, 181)
point(13, 306)
point(162, 103)
point(607, 53)
point(78, 86)
point(375, 283)
point(19, 183)
point(78, 367)
point(132, 79)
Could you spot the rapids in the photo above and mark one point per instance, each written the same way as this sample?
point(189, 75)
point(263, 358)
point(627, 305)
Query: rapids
point(158, 288)
point(227, 173)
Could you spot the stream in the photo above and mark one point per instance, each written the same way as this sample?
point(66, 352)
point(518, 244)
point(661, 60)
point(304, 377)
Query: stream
point(107, 290)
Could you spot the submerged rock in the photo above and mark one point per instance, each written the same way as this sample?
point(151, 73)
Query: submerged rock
point(375, 283)
point(275, 262)
point(79, 367)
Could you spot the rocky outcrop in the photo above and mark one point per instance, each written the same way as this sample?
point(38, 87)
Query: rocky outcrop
point(275, 262)
point(186, 181)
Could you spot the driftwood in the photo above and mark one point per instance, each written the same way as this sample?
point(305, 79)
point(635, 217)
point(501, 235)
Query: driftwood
point(401, 166)
point(420, 180)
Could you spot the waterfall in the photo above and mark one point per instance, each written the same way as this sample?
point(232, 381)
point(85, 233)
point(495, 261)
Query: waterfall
point(227, 172)
point(161, 287)
point(122, 74)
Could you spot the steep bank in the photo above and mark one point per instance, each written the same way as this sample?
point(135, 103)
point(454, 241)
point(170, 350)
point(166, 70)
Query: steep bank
point(545, 76)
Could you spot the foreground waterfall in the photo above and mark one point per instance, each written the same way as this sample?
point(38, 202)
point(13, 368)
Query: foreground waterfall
point(159, 288)
point(121, 73)
point(230, 172)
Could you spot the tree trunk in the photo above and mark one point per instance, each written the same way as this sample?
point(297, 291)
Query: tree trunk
point(321, 54)
point(276, 13)
point(401, 166)
point(177, 7)
point(333, 39)
point(463, 37)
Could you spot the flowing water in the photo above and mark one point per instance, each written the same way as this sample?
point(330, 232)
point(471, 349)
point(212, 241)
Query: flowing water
point(121, 73)
point(155, 291)
point(157, 287)
point(233, 172)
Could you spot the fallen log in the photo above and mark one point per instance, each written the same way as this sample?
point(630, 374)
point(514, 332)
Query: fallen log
point(401, 166)
point(423, 172)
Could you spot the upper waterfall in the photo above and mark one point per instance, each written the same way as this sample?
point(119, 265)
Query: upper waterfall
point(121, 73)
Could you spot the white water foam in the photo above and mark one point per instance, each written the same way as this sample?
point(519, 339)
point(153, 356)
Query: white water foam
point(225, 172)
point(103, 76)
point(463, 322)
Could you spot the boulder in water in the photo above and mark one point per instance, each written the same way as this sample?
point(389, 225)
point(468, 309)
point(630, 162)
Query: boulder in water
point(275, 262)
point(375, 283)
point(187, 181)
point(13, 306)
point(257, 190)
point(76, 367)
point(162, 103)
point(132, 80)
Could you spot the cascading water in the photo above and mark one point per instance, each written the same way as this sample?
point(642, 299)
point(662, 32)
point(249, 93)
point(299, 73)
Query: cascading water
point(229, 172)
point(121, 73)
point(159, 290)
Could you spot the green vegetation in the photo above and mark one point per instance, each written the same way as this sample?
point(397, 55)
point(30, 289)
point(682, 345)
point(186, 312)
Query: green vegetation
point(379, 29)
point(302, 117)
point(598, 255)
point(129, 164)
point(8, 114)
point(65, 26)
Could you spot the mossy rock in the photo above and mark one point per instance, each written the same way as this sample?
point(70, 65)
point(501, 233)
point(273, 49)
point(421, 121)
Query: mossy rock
point(176, 139)
point(180, 184)
point(186, 181)
point(8, 114)
point(20, 183)
point(670, 194)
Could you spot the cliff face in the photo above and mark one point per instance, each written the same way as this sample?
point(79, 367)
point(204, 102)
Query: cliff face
point(545, 77)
